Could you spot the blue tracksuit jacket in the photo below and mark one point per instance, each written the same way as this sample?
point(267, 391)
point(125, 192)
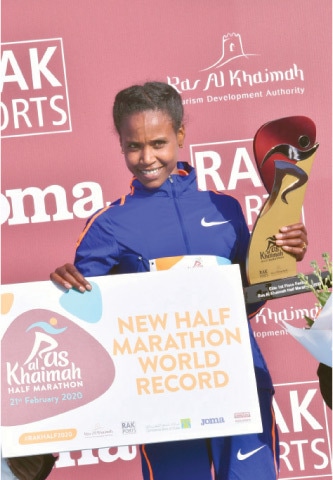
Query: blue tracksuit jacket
point(175, 219)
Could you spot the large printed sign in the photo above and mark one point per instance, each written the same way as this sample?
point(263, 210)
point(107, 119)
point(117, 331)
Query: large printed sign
point(141, 358)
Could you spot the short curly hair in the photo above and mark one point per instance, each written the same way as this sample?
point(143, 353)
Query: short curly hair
point(149, 96)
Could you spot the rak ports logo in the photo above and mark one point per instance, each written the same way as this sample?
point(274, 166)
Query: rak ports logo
point(128, 427)
point(33, 85)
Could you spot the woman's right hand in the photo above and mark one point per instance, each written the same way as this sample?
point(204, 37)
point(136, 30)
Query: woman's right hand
point(69, 277)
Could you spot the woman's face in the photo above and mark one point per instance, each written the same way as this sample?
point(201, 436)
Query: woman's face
point(150, 146)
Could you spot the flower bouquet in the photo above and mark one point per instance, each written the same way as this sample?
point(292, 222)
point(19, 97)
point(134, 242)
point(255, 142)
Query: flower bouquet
point(322, 287)
point(317, 336)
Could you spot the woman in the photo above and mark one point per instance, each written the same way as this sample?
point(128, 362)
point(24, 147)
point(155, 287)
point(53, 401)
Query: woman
point(162, 217)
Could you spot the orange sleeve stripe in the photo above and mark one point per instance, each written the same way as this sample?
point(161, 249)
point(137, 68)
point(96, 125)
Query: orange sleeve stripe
point(93, 218)
point(274, 443)
point(143, 449)
point(258, 309)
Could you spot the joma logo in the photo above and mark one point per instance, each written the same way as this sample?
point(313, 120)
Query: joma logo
point(16, 203)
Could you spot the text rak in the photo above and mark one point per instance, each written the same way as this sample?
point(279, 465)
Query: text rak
point(34, 89)
point(304, 431)
point(223, 166)
point(128, 427)
point(229, 166)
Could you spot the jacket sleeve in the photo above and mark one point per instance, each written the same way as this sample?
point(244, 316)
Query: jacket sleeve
point(97, 250)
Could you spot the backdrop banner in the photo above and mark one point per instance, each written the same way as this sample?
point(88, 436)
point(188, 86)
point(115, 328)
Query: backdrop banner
point(237, 66)
point(174, 366)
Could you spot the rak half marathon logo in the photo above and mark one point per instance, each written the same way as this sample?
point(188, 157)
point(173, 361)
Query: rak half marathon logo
point(33, 85)
point(45, 369)
point(237, 84)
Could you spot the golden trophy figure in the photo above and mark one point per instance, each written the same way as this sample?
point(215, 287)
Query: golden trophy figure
point(284, 150)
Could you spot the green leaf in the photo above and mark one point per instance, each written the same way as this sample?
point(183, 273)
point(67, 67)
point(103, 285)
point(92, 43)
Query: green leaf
point(309, 321)
point(323, 297)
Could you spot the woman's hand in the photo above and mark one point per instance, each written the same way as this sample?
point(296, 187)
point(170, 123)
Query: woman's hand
point(69, 277)
point(293, 239)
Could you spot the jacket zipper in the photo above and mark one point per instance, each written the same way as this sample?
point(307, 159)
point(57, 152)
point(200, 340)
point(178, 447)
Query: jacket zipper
point(180, 217)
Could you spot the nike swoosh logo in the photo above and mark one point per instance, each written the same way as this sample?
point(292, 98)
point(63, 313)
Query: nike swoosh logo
point(244, 456)
point(212, 224)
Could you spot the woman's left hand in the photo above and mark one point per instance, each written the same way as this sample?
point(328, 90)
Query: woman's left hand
point(293, 239)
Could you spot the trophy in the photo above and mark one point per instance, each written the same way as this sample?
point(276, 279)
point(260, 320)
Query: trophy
point(284, 151)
